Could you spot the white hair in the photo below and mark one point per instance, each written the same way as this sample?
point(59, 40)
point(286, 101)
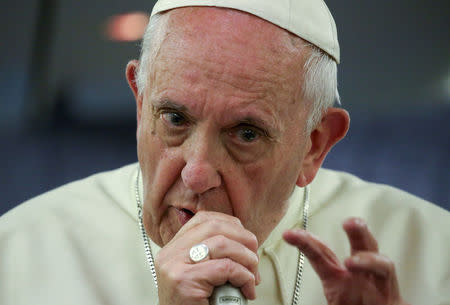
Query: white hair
point(151, 43)
point(320, 84)
point(320, 72)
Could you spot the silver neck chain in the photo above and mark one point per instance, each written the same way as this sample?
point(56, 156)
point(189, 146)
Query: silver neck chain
point(151, 263)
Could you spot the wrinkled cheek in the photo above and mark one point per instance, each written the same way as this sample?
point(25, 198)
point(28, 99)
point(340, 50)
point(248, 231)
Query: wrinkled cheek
point(148, 155)
point(269, 188)
point(148, 160)
point(169, 225)
point(161, 229)
point(161, 167)
point(259, 179)
point(150, 148)
point(248, 193)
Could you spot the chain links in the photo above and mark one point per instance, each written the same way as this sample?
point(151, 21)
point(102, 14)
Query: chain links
point(301, 257)
point(151, 263)
point(148, 250)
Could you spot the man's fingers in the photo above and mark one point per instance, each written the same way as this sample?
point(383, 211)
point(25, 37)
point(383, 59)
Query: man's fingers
point(222, 247)
point(322, 259)
point(380, 267)
point(197, 281)
point(359, 236)
point(202, 216)
point(225, 270)
point(207, 224)
point(371, 262)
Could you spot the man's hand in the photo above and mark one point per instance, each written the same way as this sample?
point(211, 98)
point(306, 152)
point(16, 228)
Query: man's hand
point(232, 258)
point(365, 278)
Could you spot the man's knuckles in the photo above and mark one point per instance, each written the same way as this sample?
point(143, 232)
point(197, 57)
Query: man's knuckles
point(222, 247)
point(237, 275)
point(205, 216)
point(379, 264)
point(207, 227)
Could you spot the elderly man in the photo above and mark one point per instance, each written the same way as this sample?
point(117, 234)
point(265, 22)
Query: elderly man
point(234, 119)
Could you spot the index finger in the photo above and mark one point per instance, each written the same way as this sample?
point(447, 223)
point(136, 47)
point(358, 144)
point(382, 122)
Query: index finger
point(205, 225)
point(359, 236)
point(322, 259)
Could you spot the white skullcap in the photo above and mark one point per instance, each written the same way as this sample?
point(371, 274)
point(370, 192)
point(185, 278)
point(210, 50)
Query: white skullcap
point(309, 19)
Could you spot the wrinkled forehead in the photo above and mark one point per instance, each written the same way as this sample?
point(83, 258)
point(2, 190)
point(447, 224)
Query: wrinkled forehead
point(223, 21)
point(211, 26)
point(309, 19)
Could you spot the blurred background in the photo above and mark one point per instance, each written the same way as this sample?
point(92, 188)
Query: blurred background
point(66, 111)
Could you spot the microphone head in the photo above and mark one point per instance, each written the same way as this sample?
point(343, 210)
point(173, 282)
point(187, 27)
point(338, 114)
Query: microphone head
point(227, 294)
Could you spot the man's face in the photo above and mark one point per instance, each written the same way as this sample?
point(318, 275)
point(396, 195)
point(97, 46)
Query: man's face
point(221, 127)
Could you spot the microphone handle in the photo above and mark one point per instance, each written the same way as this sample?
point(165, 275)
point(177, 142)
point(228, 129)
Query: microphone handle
point(227, 294)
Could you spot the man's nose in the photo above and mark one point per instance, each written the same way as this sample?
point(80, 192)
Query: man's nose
point(199, 174)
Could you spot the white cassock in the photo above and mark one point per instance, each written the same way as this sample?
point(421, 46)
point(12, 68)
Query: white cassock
point(81, 244)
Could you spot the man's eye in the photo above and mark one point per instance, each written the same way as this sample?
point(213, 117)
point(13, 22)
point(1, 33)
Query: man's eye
point(248, 134)
point(174, 118)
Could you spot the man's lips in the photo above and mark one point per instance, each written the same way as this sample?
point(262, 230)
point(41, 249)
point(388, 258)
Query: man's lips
point(184, 215)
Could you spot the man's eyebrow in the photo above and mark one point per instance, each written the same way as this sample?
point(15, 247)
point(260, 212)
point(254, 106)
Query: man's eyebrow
point(254, 121)
point(166, 103)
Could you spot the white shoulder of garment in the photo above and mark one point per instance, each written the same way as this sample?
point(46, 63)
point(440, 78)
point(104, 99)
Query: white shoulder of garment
point(80, 243)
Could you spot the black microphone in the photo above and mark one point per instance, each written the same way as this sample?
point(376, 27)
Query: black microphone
point(227, 294)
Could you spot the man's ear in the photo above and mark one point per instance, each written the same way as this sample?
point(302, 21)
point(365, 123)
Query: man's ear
point(332, 128)
point(130, 74)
